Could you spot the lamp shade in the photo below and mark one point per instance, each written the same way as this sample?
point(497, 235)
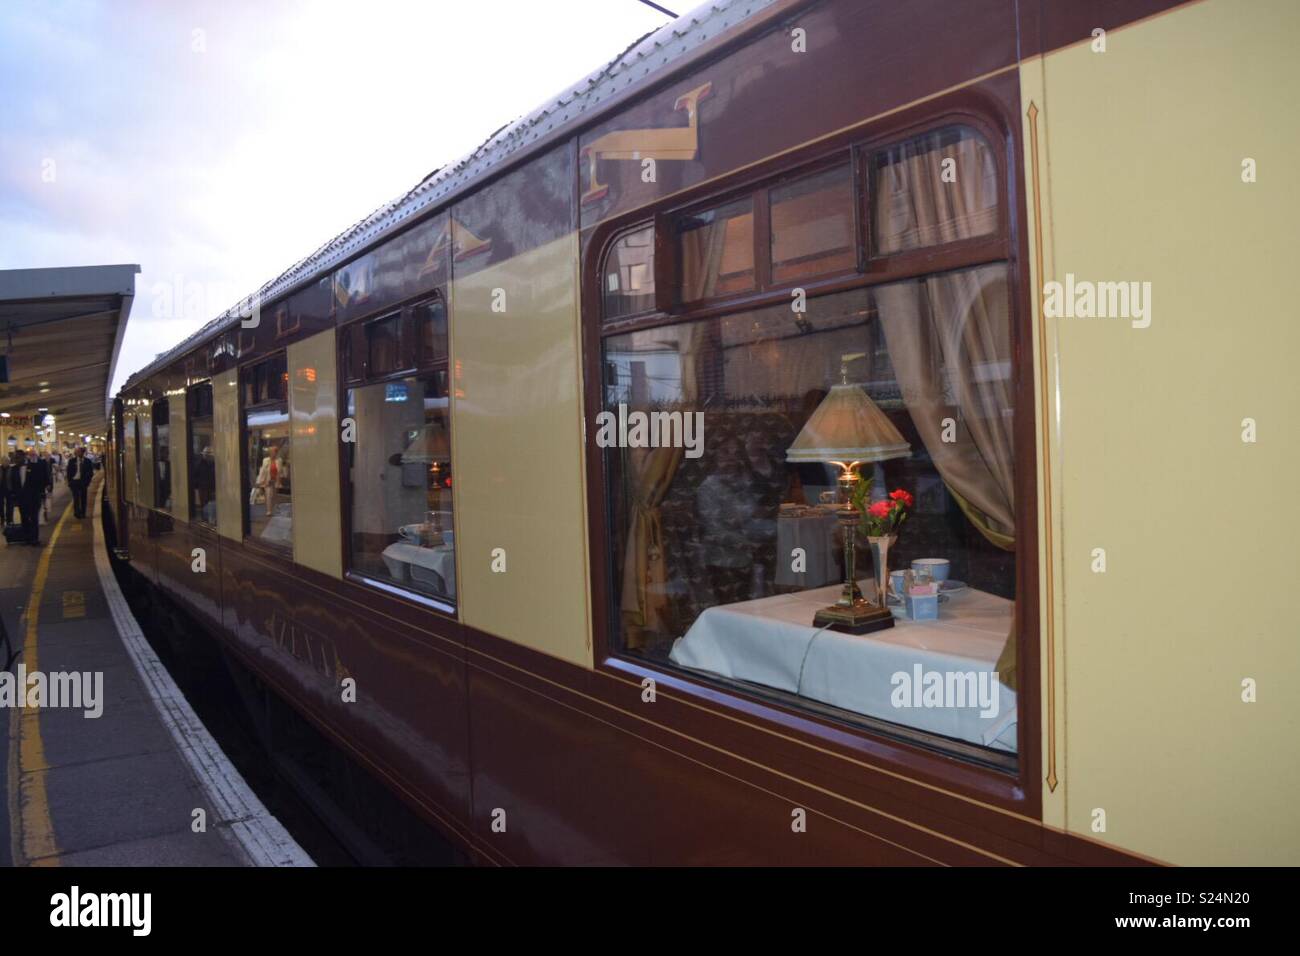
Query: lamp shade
point(428, 446)
point(848, 426)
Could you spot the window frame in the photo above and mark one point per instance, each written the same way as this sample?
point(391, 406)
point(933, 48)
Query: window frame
point(1016, 790)
point(158, 503)
point(245, 486)
point(195, 517)
point(410, 350)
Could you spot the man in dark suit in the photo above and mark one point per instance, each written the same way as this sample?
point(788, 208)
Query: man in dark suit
point(6, 500)
point(27, 484)
point(80, 470)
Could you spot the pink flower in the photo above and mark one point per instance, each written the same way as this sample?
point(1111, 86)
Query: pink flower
point(880, 509)
point(902, 497)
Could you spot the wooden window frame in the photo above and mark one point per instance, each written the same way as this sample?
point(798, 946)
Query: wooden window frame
point(245, 486)
point(153, 428)
point(834, 739)
point(195, 517)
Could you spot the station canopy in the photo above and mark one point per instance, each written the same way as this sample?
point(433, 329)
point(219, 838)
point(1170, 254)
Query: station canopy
point(60, 334)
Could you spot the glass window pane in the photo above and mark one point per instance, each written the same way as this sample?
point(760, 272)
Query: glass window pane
point(937, 188)
point(724, 549)
point(203, 464)
point(270, 496)
point(431, 321)
point(385, 344)
point(812, 226)
point(162, 456)
point(629, 284)
point(400, 473)
point(715, 251)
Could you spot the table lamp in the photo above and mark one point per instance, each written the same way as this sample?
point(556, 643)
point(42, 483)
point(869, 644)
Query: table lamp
point(847, 429)
point(431, 447)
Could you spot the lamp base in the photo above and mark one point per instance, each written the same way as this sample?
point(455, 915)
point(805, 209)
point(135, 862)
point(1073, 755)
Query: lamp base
point(861, 618)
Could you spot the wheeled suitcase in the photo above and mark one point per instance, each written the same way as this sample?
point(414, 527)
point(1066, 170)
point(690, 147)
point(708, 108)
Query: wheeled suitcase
point(14, 533)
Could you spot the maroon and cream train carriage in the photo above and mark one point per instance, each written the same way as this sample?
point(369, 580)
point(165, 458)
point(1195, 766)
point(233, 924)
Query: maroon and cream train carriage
point(394, 469)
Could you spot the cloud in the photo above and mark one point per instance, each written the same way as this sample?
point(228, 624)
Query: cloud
point(220, 142)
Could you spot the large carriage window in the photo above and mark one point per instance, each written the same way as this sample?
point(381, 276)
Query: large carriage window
point(267, 453)
point(203, 464)
point(400, 471)
point(162, 476)
point(726, 542)
point(629, 285)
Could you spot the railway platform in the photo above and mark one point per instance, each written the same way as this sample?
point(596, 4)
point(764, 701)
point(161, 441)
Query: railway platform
point(102, 761)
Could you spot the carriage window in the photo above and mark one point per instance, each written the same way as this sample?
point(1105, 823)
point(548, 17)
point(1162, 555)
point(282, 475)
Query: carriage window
point(715, 249)
point(938, 188)
point(203, 465)
point(267, 460)
point(812, 226)
point(431, 326)
point(384, 340)
point(629, 284)
point(162, 477)
point(728, 502)
point(401, 484)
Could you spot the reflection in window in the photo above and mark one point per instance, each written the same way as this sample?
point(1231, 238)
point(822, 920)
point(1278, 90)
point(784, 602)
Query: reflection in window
point(629, 284)
point(936, 188)
point(384, 339)
point(715, 250)
point(704, 549)
point(431, 327)
point(162, 476)
point(267, 459)
point(400, 472)
point(203, 464)
point(812, 226)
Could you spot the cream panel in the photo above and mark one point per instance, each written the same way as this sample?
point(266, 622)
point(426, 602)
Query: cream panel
point(313, 408)
point(1146, 148)
point(226, 425)
point(180, 456)
point(517, 453)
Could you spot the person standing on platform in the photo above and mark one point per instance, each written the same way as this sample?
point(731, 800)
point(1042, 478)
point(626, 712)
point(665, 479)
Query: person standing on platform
point(27, 484)
point(80, 471)
point(6, 499)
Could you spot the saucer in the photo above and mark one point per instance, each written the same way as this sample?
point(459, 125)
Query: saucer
point(952, 587)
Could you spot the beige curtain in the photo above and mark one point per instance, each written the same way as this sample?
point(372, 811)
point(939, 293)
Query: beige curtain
point(949, 335)
point(650, 473)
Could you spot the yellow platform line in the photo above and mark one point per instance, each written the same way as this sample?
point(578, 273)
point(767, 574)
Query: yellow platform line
point(30, 827)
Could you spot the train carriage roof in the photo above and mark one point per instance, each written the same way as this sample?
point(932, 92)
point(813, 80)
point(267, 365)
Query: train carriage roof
point(645, 62)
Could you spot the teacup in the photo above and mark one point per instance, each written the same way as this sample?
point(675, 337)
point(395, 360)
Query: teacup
point(898, 584)
point(448, 538)
point(937, 567)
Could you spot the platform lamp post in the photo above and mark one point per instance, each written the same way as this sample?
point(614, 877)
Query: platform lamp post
point(848, 429)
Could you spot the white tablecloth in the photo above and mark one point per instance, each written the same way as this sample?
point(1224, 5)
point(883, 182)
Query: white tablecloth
point(772, 642)
point(411, 560)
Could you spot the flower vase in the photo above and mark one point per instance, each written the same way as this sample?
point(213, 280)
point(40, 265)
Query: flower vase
point(880, 545)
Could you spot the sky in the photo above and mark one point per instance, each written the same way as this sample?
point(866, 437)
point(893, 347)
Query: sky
point(216, 143)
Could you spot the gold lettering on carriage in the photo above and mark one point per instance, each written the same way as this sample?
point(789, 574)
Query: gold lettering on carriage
point(949, 689)
point(651, 430)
